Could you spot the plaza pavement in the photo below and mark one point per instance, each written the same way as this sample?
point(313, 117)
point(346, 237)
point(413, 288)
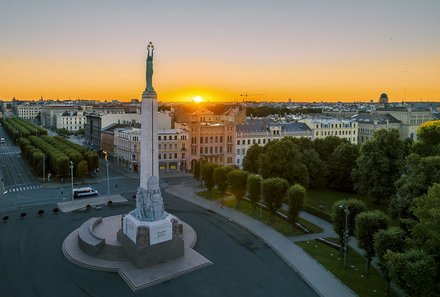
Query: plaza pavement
point(320, 279)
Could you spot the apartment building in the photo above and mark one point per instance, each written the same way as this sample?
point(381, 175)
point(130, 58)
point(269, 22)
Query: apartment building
point(262, 131)
point(342, 128)
point(212, 131)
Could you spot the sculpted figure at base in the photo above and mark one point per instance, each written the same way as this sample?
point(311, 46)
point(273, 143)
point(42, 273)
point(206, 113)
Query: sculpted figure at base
point(149, 203)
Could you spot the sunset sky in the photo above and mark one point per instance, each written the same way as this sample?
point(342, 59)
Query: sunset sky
point(307, 50)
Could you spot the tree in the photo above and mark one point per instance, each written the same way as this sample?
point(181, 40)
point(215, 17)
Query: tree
point(82, 170)
point(414, 271)
point(274, 190)
point(208, 176)
point(354, 207)
point(282, 158)
point(421, 173)
point(63, 132)
point(296, 196)
point(367, 224)
point(196, 169)
point(426, 230)
point(221, 178)
point(254, 189)
point(326, 146)
point(316, 168)
point(251, 160)
point(379, 165)
point(392, 239)
point(341, 164)
point(429, 133)
point(237, 179)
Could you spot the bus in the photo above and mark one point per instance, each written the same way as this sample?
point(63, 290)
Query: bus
point(84, 192)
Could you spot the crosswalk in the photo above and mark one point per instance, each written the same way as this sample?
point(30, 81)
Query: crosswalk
point(10, 153)
point(22, 188)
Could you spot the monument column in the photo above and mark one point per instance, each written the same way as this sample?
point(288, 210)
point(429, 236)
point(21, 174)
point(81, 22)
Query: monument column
point(149, 141)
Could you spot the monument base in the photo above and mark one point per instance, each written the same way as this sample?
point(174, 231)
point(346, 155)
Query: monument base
point(149, 243)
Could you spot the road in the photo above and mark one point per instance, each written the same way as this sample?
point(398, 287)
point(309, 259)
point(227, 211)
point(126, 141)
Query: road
point(33, 264)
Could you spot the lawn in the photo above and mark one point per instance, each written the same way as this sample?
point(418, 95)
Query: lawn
point(354, 276)
point(325, 198)
point(245, 207)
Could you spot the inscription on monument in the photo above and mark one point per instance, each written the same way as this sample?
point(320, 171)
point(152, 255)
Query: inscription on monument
point(161, 232)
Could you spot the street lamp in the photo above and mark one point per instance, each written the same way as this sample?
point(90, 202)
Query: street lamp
point(108, 179)
point(346, 236)
point(261, 194)
point(71, 175)
point(44, 163)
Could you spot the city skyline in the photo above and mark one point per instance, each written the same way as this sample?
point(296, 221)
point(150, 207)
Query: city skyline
point(338, 51)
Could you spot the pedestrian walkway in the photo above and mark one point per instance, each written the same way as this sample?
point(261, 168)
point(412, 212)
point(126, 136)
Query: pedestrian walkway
point(322, 281)
point(12, 189)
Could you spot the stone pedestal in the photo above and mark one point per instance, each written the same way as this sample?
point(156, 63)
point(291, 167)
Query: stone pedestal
point(149, 243)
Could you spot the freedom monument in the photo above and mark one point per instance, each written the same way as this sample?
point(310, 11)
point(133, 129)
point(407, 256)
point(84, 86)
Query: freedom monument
point(148, 245)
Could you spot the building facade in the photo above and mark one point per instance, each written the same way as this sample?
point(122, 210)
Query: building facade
point(370, 123)
point(262, 131)
point(70, 120)
point(172, 147)
point(342, 128)
point(410, 119)
point(212, 131)
point(28, 111)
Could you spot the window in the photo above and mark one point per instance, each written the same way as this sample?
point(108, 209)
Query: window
point(216, 139)
point(238, 141)
point(164, 156)
point(160, 146)
point(175, 137)
point(221, 139)
point(175, 155)
point(160, 138)
point(201, 139)
point(170, 155)
point(211, 139)
point(249, 141)
point(206, 150)
point(206, 139)
point(238, 151)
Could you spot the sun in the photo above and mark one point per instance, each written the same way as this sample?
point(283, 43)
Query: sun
point(198, 99)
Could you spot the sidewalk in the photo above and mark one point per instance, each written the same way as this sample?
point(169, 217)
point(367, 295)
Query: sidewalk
point(322, 281)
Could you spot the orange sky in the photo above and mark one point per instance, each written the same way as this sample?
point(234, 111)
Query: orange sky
point(307, 52)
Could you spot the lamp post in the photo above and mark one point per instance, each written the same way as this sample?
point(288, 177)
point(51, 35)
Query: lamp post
point(261, 194)
point(71, 175)
point(108, 179)
point(346, 236)
point(44, 163)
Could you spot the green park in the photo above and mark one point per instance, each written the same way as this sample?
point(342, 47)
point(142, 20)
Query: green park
point(381, 199)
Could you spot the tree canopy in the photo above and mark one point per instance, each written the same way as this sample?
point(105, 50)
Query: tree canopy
point(379, 165)
point(251, 160)
point(282, 158)
point(274, 190)
point(296, 196)
point(237, 179)
point(367, 225)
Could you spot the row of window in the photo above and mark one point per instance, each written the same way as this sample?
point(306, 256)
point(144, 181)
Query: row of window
point(254, 141)
point(170, 156)
point(335, 125)
point(211, 139)
point(335, 133)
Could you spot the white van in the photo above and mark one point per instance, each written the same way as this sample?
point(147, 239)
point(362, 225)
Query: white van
point(84, 192)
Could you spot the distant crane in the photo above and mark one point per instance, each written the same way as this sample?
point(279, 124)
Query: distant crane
point(245, 95)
